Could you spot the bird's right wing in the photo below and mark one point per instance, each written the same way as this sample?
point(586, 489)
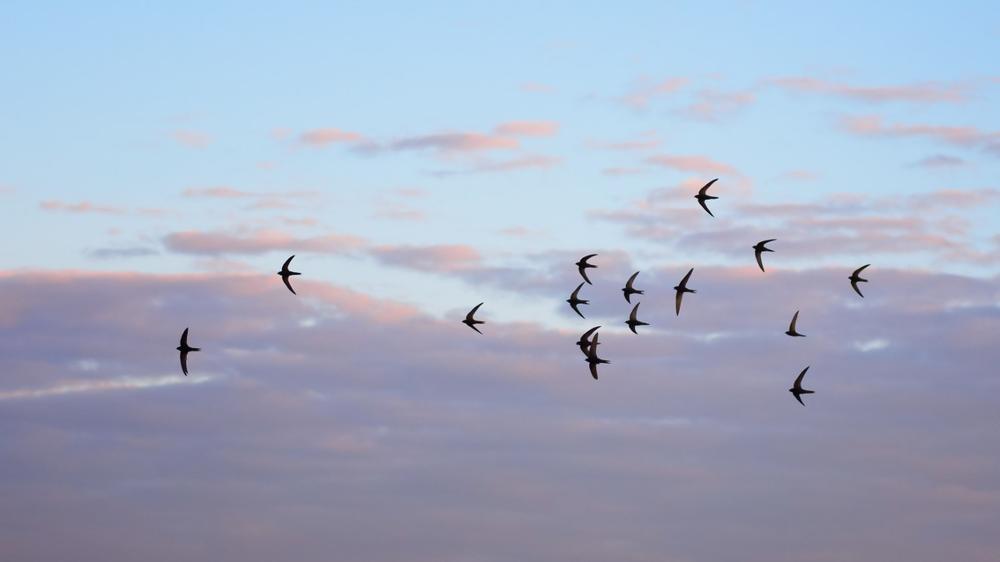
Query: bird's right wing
point(184, 338)
point(473, 313)
point(628, 284)
point(677, 301)
point(798, 380)
point(791, 328)
point(288, 262)
point(184, 362)
point(288, 284)
point(705, 187)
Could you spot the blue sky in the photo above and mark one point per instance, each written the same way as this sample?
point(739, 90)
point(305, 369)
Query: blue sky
point(162, 161)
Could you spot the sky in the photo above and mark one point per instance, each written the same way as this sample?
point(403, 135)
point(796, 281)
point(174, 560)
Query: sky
point(162, 161)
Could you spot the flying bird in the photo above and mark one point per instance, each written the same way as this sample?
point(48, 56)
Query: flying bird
point(592, 357)
point(797, 390)
point(629, 290)
point(573, 300)
point(632, 321)
point(704, 196)
point(791, 327)
point(855, 279)
point(759, 247)
point(285, 273)
point(681, 289)
point(584, 341)
point(582, 266)
point(184, 348)
point(470, 321)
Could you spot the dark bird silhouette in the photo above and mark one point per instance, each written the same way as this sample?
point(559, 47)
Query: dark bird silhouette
point(681, 288)
point(285, 273)
point(758, 248)
point(584, 341)
point(592, 357)
point(704, 196)
point(573, 300)
point(184, 348)
point(791, 327)
point(632, 321)
point(470, 321)
point(797, 390)
point(582, 266)
point(629, 290)
point(856, 278)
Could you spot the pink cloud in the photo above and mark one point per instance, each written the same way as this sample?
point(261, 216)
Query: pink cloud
point(536, 88)
point(528, 128)
point(940, 161)
point(519, 163)
point(437, 258)
point(82, 207)
point(258, 242)
point(222, 192)
point(455, 142)
point(644, 141)
point(191, 139)
point(692, 163)
point(645, 91)
point(926, 92)
point(323, 137)
point(966, 136)
point(799, 175)
point(710, 105)
point(618, 171)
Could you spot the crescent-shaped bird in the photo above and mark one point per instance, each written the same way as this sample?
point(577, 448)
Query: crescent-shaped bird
point(681, 288)
point(797, 390)
point(629, 290)
point(184, 348)
point(856, 278)
point(470, 321)
point(704, 196)
point(582, 267)
point(791, 327)
point(285, 273)
point(758, 248)
point(592, 357)
point(573, 300)
point(584, 342)
point(633, 321)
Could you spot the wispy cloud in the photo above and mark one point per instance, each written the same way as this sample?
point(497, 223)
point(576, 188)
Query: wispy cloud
point(645, 90)
point(964, 136)
point(923, 92)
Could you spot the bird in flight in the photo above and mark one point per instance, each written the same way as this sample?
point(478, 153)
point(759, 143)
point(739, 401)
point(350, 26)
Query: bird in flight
point(704, 196)
point(285, 273)
point(760, 247)
point(791, 327)
point(584, 341)
point(582, 266)
point(632, 321)
point(856, 278)
point(681, 288)
point(184, 348)
point(629, 290)
point(470, 321)
point(797, 390)
point(592, 357)
point(573, 300)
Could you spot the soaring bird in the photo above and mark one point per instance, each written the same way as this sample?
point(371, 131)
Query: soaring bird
point(704, 196)
point(470, 321)
point(584, 341)
point(791, 327)
point(629, 290)
point(592, 357)
point(573, 300)
point(681, 288)
point(855, 279)
point(797, 390)
point(759, 247)
point(285, 273)
point(582, 266)
point(184, 348)
point(632, 321)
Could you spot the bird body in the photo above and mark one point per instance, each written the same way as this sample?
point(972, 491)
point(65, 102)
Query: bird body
point(285, 273)
point(797, 390)
point(633, 321)
point(760, 247)
point(629, 290)
point(582, 266)
point(184, 348)
point(791, 327)
point(681, 288)
point(584, 342)
point(470, 321)
point(856, 278)
point(704, 196)
point(574, 300)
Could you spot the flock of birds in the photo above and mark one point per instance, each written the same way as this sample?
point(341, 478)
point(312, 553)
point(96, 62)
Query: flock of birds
point(588, 342)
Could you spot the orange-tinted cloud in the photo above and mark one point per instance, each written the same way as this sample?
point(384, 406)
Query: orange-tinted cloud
point(323, 137)
point(527, 128)
point(258, 242)
point(435, 258)
point(692, 163)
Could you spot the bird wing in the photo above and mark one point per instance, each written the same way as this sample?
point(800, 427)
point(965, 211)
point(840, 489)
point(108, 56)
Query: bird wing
point(768, 241)
point(791, 327)
point(798, 380)
point(854, 285)
point(288, 284)
point(628, 284)
point(704, 206)
point(677, 301)
point(760, 262)
point(587, 257)
point(859, 270)
point(284, 266)
point(184, 362)
point(184, 338)
point(705, 187)
point(593, 370)
point(635, 309)
point(472, 313)
point(576, 310)
point(799, 398)
point(684, 281)
point(573, 296)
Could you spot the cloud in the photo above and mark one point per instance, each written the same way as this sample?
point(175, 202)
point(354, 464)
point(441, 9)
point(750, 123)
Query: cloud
point(968, 136)
point(528, 161)
point(692, 163)
point(711, 105)
point(117, 253)
point(939, 161)
point(645, 91)
point(536, 88)
point(191, 139)
point(258, 242)
point(644, 141)
point(86, 207)
point(329, 135)
point(434, 259)
point(455, 142)
point(528, 128)
point(925, 92)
